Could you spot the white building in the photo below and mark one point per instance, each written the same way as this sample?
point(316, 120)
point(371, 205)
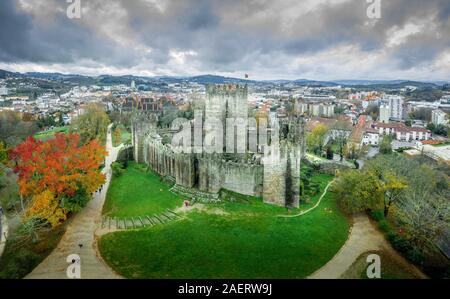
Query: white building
point(402, 132)
point(395, 106)
point(314, 110)
point(327, 110)
point(133, 85)
point(384, 114)
point(438, 117)
point(3, 91)
point(371, 137)
point(301, 108)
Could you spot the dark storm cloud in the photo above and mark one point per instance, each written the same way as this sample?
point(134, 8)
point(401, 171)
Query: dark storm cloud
point(62, 40)
point(226, 36)
point(14, 32)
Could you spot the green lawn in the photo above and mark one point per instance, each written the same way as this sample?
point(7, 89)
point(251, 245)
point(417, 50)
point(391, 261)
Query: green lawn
point(320, 178)
point(243, 239)
point(44, 135)
point(138, 193)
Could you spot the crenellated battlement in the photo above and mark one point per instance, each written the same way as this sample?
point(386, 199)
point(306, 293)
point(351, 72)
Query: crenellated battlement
point(227, 89)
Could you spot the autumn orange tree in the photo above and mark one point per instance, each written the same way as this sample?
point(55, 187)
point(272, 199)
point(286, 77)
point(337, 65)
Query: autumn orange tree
point(57, 175)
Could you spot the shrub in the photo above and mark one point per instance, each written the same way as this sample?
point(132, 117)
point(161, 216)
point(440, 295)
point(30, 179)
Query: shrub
point(117, 169)
point(125, 155)
point(22, 263)
point(415, 256)
point(399, 243)
point(384, 225)
point(314, 188)
point(330, 153)
point(308, 173)
point(377, 215)
point(315, 166)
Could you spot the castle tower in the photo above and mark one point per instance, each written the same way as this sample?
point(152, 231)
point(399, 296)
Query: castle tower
point(228, 101)
point(282, 166)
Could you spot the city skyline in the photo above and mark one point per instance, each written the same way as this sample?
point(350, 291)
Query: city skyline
point(316, 40)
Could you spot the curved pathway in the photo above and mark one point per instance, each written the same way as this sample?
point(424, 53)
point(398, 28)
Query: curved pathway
point(363, 237)
point(313, 207)
point(80, 237)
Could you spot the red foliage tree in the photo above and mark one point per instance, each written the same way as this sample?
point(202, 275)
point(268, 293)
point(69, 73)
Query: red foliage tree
point(61, 167)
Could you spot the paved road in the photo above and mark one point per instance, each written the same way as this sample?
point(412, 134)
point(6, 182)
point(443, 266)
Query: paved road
point(363, 237)
point(81, 231)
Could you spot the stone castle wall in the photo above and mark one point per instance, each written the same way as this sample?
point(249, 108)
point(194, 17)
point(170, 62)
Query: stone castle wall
point(207, 173)
point(244, 178)
point(276, 179)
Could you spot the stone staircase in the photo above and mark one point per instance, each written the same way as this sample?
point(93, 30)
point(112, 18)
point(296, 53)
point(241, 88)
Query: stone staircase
point(114, 223)
point(195, 195)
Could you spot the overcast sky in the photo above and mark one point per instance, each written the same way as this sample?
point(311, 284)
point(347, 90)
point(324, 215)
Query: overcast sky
point(283, 39)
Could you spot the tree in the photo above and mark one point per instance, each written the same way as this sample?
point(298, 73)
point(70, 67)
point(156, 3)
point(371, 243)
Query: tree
point(330, 153)
point(358, 191)
point(92, 124)
point(340, 137)
point(9, 190)
point(373, 111)
point(350, 151)
point(424, 207)
point(13, 129)
point(393, 187)
point(60, 119)
point(3, 156)
point(439, 129)
point(385, 145)
point(58, 175)
point(46, 206)
point(116, 136)
point(419, 192)
point(315, 141)
point(121, 117)
point(27, 116)
point(46, 121)
point(392, 181)
point(421, 113)
point(426, 93)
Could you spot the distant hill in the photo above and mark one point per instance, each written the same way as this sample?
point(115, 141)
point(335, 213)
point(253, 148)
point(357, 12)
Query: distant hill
point(388, 84)
point(5, 74)
point(307, 82)
point(367, 82)
point(125, 79)
point(71, 78)
point(215, 79)
point(51, 76)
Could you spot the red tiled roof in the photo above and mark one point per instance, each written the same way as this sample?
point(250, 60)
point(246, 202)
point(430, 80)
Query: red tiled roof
point(431, 142)
point(418, 129)
point(371, 130)
point(358, 129)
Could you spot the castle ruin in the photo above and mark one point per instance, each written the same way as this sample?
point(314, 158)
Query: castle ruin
point(252, 157)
